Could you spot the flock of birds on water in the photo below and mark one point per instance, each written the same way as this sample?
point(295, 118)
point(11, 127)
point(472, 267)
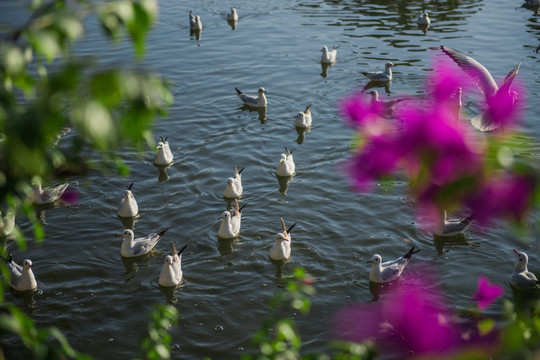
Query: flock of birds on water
point(23, 279)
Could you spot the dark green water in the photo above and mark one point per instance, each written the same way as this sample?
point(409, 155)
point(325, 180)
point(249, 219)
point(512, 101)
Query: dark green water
point(101, 301)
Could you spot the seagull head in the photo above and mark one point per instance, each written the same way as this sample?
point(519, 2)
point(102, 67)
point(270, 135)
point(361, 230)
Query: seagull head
point(280, 237)
point(389, 65)
point(128, 194)
point(27, 263)
point(324, 49)
point(375, 259)
point(283, 158)
point(230, 181)
point(127, 233)
point(225, 215)
point(169, 260)
point(262, 90)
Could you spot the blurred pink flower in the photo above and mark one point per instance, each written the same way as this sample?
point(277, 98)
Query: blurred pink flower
point(503, 195)
point(410, 320)
point(486, 293)
point(70, 196)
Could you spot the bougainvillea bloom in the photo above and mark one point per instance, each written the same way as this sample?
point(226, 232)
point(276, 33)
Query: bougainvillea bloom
point(412, 319)
point(486, 293)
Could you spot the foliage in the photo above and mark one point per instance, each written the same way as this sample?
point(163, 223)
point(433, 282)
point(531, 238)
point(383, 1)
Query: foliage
point(46, 92)
point(156, 344)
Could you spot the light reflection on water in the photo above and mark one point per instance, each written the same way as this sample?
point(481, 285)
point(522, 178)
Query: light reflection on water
point(101, 301)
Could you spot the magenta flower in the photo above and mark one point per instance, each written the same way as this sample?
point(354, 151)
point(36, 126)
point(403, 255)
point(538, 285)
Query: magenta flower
point(503, 195)
point(486, 293)
point(70, 196)
point(411, 319)
point(361, 112)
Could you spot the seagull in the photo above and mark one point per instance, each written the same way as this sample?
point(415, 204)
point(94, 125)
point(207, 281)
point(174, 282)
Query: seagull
point(453, 227)
point(232, 15)
point(485, 83)
point(389, 270)
point(49, 194)
point(281, 250)
point(328, 57)
point(132, 247)
point(387, 105)
point(7, 223)
point(253, 101)
point(22, 277)
point(303, 118)
point(234, 187)
point(171, 272)
point(128, 205)
point(423, 19)
point(380, 76)
point(163, 156)
point(522, 278)
point(286, 166)
point(195, 22)
point(177, 259)
point(230, 223)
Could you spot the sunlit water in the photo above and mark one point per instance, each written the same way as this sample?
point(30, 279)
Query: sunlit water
point(101, 301)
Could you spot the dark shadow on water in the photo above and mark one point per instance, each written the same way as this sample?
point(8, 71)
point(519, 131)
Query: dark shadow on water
point(195, 33)
point(423, 27)
point(279, 267)
point(440, 241)
point(128, 222)
point(526, 301)
point(225, 246)
point(325, 68)
point(284, 183)
point(301, 134)
point(162, 175)
point(233, 24)
point(260, 111)
point(378, 84)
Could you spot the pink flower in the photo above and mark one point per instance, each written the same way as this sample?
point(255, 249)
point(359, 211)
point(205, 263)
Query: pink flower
point(503, 195)
point(486, 293)
point(410, 319)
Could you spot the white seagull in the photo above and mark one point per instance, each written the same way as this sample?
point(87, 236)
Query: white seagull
point(48, 195)
point(303, 118)
point(281, 249)
point(163, 156)
point(132, 247)
point(128, 205)
point(522, 278)
point(230, 223)
point(171, 272)
point(286, 166)
point(258, 101)
point(485, 83)
point(234, 187)
point(385, 75)
point(387, 105)
point(328, 56)
point(453, 227)
point(177, 259)
point(232, 15)
point(195, 22)
point(423, 19)
point(22, 277)
point(389, 270)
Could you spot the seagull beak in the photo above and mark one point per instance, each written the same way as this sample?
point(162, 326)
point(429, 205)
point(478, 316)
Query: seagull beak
point(119, 235)
point(369, 262)
point(514, 250)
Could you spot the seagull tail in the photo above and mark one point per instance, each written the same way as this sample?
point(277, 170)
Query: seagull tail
point(162, 232)
point(238, 92)
point(181, 250)
point(243, 206)
point(410, 253)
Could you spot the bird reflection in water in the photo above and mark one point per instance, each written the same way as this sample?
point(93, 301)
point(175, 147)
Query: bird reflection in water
point(301, 134)
point(325, 68)
point(378, 84)
point(162, 176)
point(195, 33)
point(261, 111)
point(284, 183)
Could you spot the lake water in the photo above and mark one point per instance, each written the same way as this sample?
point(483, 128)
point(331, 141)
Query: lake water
point(101, 301)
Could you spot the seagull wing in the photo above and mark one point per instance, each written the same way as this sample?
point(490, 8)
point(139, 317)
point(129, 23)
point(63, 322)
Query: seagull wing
point(479, 74)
